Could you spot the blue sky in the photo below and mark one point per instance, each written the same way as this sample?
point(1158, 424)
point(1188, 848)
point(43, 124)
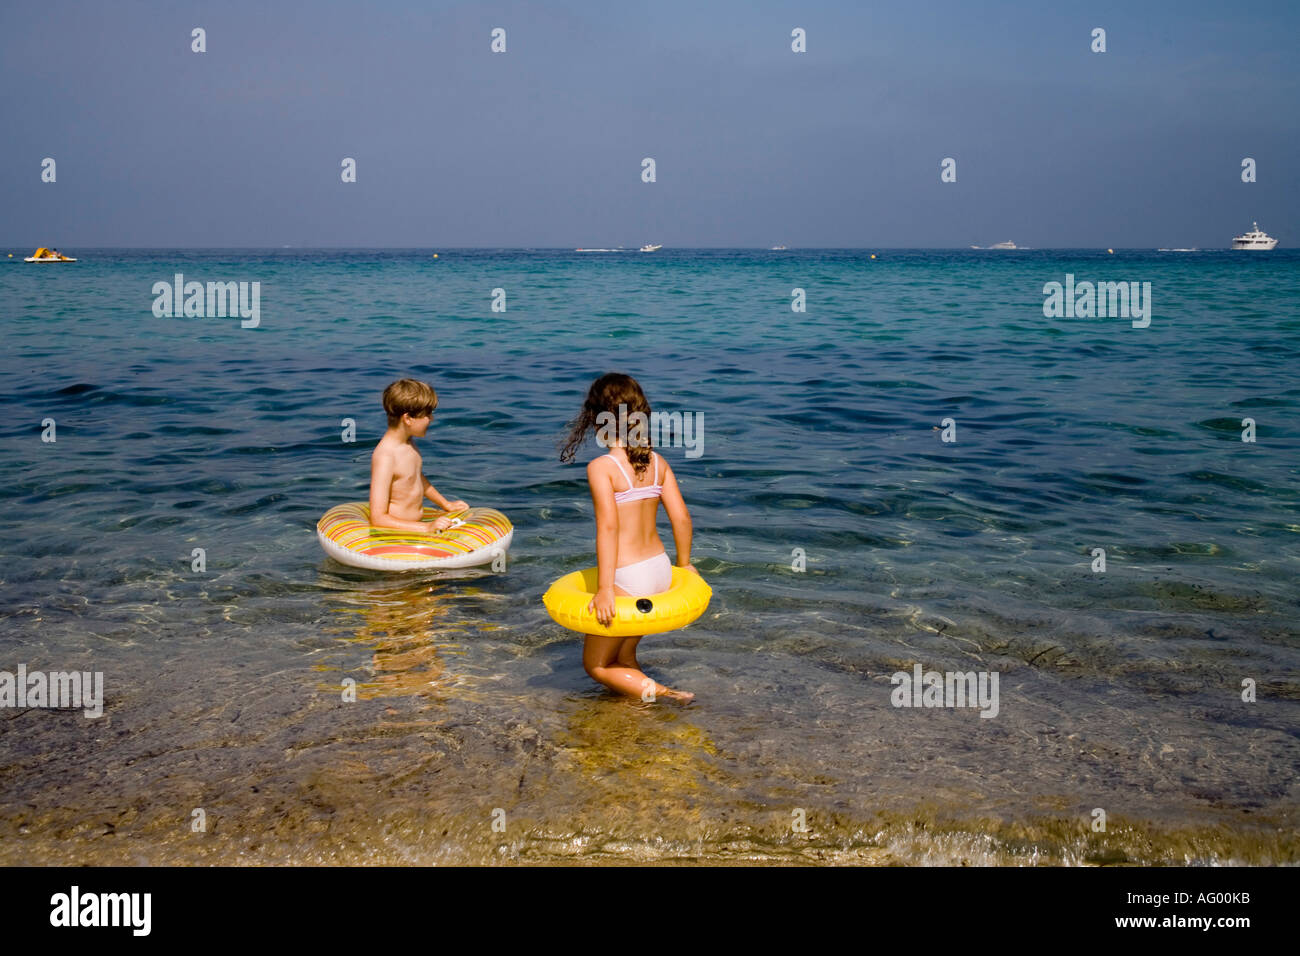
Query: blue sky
point(542, 145)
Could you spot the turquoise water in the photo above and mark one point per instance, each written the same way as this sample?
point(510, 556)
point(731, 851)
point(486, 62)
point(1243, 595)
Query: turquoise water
point(1118, 690)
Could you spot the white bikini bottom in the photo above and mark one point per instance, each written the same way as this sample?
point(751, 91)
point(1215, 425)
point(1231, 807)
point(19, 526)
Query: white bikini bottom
point(654, 575)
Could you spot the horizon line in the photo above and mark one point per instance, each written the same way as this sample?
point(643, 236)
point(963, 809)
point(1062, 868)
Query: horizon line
point(965, 248)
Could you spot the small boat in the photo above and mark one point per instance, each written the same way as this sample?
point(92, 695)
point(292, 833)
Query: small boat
point(46, 255)
point(1255, 239)
point(1003, 245)
point(649, 247)
point(777, 249)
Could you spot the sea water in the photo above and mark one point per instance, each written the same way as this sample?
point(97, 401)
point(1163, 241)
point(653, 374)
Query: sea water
point(920, 472)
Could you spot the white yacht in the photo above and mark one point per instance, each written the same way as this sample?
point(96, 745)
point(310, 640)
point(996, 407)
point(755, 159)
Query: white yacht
point(648, 247)
point(1003, 245)
point(1255, 239)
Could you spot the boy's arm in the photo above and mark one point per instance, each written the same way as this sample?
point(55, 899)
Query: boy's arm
point(381, 487)
point(436, 497)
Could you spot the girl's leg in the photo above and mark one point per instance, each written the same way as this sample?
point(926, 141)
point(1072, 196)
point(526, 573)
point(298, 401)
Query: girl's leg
point(626, 656)
point(600, 658)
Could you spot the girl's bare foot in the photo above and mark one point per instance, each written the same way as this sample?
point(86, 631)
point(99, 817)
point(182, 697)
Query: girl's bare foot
point(681, 696)
point(649, 697)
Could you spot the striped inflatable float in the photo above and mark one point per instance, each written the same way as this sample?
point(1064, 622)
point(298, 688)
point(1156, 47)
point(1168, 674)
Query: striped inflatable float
point(476, 537)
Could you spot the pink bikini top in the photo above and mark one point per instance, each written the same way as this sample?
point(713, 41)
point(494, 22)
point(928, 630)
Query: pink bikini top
point(633, 493)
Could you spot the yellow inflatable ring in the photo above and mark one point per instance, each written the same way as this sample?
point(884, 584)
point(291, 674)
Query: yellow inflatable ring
point(477, 536)
point(566, 601)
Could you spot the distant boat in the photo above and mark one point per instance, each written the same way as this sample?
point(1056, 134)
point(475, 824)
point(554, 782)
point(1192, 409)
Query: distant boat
point(1178, 250)
point(619, 249)
point(1003, 245)
point(47, 255)
point(777, 249)
point(1255, 239)
point(649, 247)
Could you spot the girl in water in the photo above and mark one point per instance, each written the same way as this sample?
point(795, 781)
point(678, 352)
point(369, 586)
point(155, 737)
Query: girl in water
point(627, 485)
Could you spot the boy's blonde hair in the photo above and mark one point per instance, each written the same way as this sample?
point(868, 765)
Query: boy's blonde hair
point(407, 396)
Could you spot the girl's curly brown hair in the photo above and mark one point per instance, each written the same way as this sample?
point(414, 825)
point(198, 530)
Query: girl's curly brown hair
point(606, 394)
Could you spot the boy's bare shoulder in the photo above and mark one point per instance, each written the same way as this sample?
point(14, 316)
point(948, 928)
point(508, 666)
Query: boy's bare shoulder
point(391, 448)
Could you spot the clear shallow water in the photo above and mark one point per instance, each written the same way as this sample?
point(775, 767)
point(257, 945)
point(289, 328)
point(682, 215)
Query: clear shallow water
point(1118, 690)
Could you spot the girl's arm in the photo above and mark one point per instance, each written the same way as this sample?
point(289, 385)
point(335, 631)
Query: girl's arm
point(671, 496)
point(602, 496)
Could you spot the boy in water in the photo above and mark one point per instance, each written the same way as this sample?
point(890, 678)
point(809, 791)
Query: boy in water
point(397, 485)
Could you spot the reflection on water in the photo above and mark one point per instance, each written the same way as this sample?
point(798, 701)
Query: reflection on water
point(398, 622)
